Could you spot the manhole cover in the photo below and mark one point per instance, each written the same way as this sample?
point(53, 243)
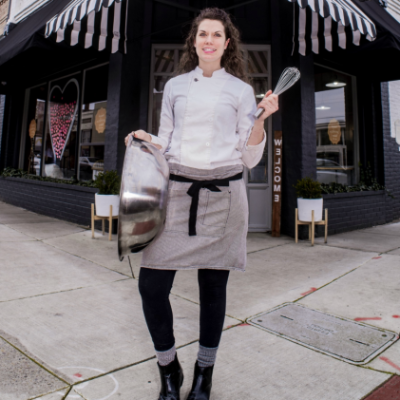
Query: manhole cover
point(341, 338)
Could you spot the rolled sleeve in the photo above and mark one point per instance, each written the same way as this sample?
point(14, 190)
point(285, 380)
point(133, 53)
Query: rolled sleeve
point(251, 154)
point(166, 120)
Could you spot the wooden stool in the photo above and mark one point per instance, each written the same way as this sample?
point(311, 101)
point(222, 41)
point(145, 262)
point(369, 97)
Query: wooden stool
point(103, 219)
point(311, 226)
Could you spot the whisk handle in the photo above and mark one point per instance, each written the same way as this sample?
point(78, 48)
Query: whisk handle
point(258, 113)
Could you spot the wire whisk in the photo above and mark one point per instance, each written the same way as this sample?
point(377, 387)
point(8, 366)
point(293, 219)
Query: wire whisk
point(287, 79)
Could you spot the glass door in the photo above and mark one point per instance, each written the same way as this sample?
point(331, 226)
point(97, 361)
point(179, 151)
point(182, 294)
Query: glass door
point(258, 178)
point(165, 58)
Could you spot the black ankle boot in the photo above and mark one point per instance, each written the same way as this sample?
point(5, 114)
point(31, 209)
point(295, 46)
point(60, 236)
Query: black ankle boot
point(202, 382)
point(171, 380)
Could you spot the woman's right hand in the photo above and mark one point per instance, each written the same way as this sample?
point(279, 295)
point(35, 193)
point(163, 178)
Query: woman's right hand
point(139, 134)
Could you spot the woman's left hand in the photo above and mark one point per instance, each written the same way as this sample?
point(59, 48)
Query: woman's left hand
point(270, 104)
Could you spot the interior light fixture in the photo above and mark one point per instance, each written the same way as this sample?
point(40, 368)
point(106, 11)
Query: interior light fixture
point(336, 84)
point(322, 108)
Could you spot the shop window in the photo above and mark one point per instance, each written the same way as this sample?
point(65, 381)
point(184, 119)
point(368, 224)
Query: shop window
point(336, 133)
point(33, 130)
point(61, 129)
point(93, 123)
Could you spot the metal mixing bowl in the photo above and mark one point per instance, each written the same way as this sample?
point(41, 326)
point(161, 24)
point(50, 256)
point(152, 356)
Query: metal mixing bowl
point(143, 197)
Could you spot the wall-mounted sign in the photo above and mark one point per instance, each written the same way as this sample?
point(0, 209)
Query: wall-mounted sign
point(334, 131)
point(32, 129)
point(277, 183)
point(100, 120)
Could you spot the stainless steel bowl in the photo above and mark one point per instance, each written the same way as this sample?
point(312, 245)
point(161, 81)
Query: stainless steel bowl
point(143, 197)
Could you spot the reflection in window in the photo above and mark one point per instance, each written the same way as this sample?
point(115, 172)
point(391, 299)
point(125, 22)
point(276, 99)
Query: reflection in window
point(258, 62)
point(335, 127)
point(61, 129)
point(34, 130)
point(93, 123)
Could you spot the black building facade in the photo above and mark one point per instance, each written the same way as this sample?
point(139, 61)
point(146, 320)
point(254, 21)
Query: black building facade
point(84, 101)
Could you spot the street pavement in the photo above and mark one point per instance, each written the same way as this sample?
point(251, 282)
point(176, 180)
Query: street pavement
point(72, 328)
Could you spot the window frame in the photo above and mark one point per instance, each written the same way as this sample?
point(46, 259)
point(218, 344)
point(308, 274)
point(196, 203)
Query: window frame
point(268, 75)
point(80, 75)
point(78, 167)
point(355, 118)
point(24, 124)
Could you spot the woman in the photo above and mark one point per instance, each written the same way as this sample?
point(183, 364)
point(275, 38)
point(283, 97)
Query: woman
point(207, 133)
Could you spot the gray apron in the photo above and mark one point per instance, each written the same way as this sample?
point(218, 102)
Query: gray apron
point(221, 227)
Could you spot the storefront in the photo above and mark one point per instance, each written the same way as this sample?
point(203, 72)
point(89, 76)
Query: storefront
point(72, 97)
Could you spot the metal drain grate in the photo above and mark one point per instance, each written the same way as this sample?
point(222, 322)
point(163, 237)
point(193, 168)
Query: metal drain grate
point(341, 338)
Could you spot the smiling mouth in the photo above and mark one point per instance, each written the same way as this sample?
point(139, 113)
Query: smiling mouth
point(207, 50)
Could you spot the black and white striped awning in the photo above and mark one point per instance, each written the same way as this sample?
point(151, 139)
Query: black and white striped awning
point(344, 12)
point(98, 23)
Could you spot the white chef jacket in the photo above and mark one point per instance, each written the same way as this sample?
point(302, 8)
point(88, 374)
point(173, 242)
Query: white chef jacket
point(205, 122)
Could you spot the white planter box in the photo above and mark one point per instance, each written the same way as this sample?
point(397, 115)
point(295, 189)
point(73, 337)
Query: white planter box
point(305, 207)
point(103, 202)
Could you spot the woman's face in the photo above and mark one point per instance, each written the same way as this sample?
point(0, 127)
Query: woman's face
point(210, 41)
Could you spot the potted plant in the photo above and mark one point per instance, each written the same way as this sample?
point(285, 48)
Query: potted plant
point(309, 197)
point(108, 183)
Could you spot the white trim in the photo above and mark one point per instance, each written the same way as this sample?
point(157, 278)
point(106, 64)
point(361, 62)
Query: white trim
point(18, 16)
point(344, 12)
point(76, 10)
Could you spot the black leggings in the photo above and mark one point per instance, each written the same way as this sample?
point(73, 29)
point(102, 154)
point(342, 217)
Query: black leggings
point(155, 286)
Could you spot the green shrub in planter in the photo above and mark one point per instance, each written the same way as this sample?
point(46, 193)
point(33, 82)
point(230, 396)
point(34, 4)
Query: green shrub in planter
point(108, 182)
point(308, 188)
point(309, 199)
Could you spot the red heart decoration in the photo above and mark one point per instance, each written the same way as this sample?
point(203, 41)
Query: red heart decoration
point(62, 113)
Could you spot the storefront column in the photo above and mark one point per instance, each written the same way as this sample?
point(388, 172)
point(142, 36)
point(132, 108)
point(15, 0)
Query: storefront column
point(296, 117)
point(128, 85)
point(2, 110)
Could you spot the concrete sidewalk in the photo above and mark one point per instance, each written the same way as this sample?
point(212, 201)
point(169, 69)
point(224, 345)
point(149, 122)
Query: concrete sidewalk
point(71, 324)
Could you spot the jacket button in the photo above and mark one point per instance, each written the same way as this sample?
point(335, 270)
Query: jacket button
point(195, 79)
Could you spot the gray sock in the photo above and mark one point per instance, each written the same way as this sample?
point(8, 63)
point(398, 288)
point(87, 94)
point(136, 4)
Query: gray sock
point(166, 357)
point(206, 356)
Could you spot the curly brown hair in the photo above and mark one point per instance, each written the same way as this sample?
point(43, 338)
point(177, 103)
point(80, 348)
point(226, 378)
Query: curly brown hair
point(232, 59)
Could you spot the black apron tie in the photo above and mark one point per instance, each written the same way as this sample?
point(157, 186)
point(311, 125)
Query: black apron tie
point(194, 192)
